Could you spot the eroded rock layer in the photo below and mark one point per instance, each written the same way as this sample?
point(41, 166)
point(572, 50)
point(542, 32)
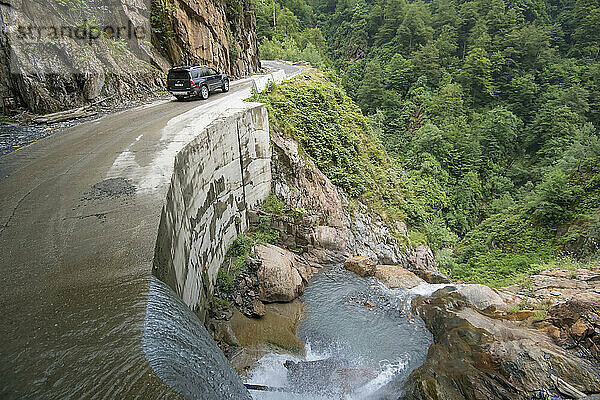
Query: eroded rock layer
point(479, 355)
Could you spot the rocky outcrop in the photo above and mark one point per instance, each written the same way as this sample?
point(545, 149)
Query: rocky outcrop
point(576, 323)
point(54, 58)
point(60, 55)
point(477, 356)
point(281, 275)
point(422, 262)
point(367, 234)
point(557, 285)
point(360, 265)
point(330, 228)
point(208, 32)
point(395, 277)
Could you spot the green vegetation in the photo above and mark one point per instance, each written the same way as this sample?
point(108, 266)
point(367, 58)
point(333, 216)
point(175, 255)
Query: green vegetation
point(541, 308)
point(273, 204)
point(540, 315)
point(294, 37)
point(237, 252)
point(242, 246)
point(331, 130)
point(487, 112)
point(161, 21)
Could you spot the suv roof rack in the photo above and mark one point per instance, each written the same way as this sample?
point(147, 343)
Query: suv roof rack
point(189, 67)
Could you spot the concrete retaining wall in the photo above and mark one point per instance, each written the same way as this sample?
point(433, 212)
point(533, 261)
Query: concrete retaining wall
point(260, 82)
point(217, 177)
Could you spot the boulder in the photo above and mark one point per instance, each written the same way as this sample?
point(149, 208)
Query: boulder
point(543, 281)
point(305, 270)
point(422, 263)
point(577, 322)
point(258, 308)
point(394, 277)
point(476, 356)
point(483, 297)
point(278, 275)
point(360, 265)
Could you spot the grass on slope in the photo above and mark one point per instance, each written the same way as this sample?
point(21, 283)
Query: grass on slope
point(330, 128)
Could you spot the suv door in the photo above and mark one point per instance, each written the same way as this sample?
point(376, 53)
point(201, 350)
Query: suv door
point(214, 79)
point(194, 73)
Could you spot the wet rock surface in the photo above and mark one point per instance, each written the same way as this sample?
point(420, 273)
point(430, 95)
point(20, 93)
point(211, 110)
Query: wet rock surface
point(478, 356)
point(395, 277)
point(275, 276)
point(253, 337)
point(361, 265)
point(576, 324)
point(281, 274)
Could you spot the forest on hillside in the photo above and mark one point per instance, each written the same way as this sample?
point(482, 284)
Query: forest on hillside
point(488, 109)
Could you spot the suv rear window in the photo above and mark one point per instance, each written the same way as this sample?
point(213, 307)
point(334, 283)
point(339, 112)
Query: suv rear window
point(178, 75)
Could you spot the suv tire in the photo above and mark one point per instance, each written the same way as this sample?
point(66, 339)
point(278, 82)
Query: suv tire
point(204, 92)
point(225, 86)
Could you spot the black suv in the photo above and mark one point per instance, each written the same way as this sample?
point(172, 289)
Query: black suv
point(199, 81)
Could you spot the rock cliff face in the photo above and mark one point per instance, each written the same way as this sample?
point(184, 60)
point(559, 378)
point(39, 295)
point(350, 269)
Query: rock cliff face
point(208, 32)
point(54, 57)
point(63, 54)
point(332, 227)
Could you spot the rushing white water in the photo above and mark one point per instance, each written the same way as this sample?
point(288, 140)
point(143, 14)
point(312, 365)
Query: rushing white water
point(362, 342)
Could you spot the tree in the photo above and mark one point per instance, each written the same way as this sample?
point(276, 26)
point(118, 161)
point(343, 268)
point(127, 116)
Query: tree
point(475, 76)
point(393, 15)
point(427, 63)
point(447, 45)
point(587, 32)
point(500, 136)
point(447, 105)
point(415, 28)
point(522, 94)
point(399, 74)
point(466, 203)
point(371, 90)
point(553, 196)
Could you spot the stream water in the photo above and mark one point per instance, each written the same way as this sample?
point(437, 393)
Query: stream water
point(361, 342)
point(181, 351)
